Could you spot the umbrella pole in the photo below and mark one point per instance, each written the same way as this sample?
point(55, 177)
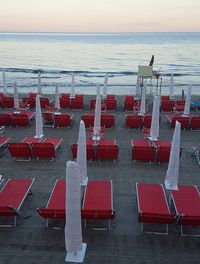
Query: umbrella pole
point(170, 198)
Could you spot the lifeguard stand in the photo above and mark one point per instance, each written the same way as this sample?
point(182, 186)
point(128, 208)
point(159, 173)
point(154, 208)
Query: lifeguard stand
point(147, 72)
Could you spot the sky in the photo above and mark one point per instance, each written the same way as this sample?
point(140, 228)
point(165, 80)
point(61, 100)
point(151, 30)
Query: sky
point(99, 16)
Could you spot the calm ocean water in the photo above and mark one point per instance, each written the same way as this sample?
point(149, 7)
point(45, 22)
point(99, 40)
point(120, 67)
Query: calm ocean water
point(90, 56)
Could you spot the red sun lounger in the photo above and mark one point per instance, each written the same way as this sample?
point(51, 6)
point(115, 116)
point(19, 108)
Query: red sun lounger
point(88, 119)
point(167, 106)
point(65, 100)
point(111, 103)
point(20, 151)
point(163, 149)
point(147, 120)
point(46, 149)
point(22, 118)
point(142, 150)
point(194, 122)
point(172, 118)
point(77, 102)
point(187, 205)
point(98, 201)
point(93, 104)
point(134, 121)
point(152, 206)
point(8, 102)
point(107, 149)
point(48, 119)
point(5, 119)
point(131, 103)
point(55, 208)
point(12, 197)
point(62, 120)
point(107, 120)
point(179, 106)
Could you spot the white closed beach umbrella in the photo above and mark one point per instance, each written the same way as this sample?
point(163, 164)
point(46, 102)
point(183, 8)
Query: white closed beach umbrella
point(171, 179)
point(98, 94)
point(97, 118)
point(57, 98)
point(138, 88)
point(187, 102)
point(16, 98)
point(39, 84)
point(38, 119)
point(105, 87)
point(82, 154)
point(72, 93)
point(143, 101)
point(154, 130)
point(171, 87)
point(4, 82)
point(73, 230)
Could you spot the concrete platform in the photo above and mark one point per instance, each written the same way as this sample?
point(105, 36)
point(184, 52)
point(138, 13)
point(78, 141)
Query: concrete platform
point(31, 242)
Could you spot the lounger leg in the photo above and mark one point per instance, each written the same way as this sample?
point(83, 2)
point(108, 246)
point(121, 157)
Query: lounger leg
point(85, 223)
point(142, 227)
point(15, 220)
point(47, 223)
point(109, 224)
point(181, 230)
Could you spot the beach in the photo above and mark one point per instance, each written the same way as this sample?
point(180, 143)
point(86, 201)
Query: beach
point(31, 242)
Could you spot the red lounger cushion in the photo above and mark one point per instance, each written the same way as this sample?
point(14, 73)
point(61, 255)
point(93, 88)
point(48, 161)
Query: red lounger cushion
point(172, 118)
point(152, 204)
point(134, 121)
point(98, 201)
point(5, 120)
point(62, 120)
point(107, 150)
point(88, 120)
point(107, 120)
point(43, 150)
point(147, 121)
point(20, 119)
point(13, 195)
point(20, 150)
point(187, 204)
point(56, 205)
point(163, 149)
point(55, 141)
point(142, 150)
point(194, 122)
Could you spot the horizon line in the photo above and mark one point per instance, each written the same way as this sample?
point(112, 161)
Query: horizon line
point(92, 32)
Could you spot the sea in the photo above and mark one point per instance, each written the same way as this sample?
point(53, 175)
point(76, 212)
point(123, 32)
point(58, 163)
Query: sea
point(91, 55)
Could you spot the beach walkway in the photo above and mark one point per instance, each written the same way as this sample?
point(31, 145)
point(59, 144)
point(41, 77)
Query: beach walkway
point(31, 242)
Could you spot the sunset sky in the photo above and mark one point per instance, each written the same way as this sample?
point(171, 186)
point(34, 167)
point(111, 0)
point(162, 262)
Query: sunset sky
point(99, 16)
